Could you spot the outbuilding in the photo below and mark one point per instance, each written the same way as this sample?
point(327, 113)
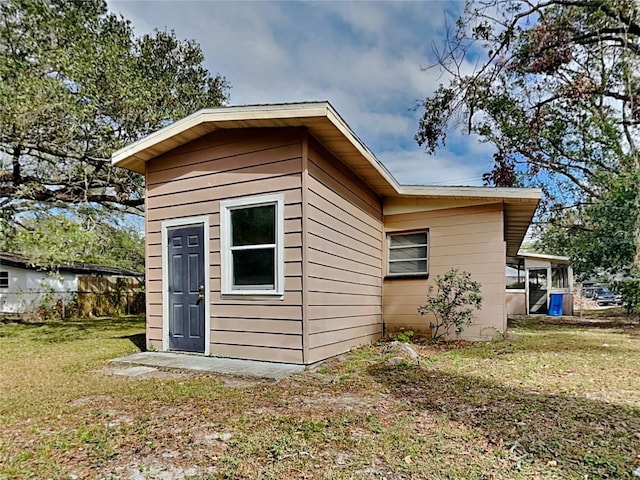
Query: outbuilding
point(26, 285)
point(538, 283)
point(273, 233)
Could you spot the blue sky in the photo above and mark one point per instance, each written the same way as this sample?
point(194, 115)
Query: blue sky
point(366, 58)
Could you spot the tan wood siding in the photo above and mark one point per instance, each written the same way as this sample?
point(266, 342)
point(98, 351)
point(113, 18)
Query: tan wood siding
point(191, 181)
point(331, 324)
point(328, 286)
point(344, 258)
point(331, 349)
point(259, 325)
point(222, 145)
point(268, 354)
point(204, 207)
point(323, 312)
point(254, 186)
point(322, 339)
point(154, 344)
point(516, 301)
point(467, 238)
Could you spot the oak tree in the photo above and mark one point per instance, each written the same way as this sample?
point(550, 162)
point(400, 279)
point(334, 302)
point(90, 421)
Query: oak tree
point(554, 85)
point(55, 239)
point(76, 84)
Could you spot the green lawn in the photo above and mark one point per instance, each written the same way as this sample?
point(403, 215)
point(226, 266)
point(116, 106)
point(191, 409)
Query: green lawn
point(549, 402)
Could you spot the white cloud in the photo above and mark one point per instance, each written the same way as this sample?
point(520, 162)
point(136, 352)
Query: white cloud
point(415, 167)
point(461, 162)
point(364, 57)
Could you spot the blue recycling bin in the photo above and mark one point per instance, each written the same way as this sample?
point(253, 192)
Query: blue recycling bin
point(555, 305)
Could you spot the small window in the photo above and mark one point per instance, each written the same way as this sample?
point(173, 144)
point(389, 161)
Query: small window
point(4, 279)
point(559, 276)
point(515, 275)
point(252, 247)
point(407, 254)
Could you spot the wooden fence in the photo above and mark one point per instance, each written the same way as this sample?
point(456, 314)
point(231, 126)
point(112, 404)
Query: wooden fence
point(108, 296)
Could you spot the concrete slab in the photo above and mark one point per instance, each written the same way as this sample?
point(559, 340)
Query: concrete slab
point(228, 366)
point(134, 371)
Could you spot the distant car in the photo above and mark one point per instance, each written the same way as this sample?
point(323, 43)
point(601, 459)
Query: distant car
point(601, 294)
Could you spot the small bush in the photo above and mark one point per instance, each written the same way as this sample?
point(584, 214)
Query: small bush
point(452, 303)
point(404, 336)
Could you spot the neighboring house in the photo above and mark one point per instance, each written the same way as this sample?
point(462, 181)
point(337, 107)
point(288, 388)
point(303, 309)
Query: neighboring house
point(531, 279)
point(24, 286)
point(273, 233)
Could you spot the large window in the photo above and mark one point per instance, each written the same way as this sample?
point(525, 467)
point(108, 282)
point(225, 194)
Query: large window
point(4, 279)
point(407, 254)
point(252, 250)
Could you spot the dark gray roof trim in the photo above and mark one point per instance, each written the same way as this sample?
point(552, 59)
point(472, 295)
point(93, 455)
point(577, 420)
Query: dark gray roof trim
point(20, 261)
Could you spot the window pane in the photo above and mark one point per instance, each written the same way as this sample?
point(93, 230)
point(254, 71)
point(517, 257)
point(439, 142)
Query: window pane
point(408, 253)
point(514, 275)
point(254, 268)
point(408, 266)
point(559, 277)
point(253, 225)
point(408, 240)
point(538, 279)
point(4, 279)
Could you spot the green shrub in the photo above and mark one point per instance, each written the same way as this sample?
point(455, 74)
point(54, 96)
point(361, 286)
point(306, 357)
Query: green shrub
point(630, 291)
point(452, 303)
point(404, 336)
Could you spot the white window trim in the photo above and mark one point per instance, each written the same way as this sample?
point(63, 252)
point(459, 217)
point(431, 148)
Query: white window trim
point(165, 226)
point(226, 261)
point(389, 248)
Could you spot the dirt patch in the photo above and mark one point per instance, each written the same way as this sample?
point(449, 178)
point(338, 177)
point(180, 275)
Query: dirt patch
point(240, 382)
point(160, 469)
point(611, 321)
point(94, 399)
point(345, 401)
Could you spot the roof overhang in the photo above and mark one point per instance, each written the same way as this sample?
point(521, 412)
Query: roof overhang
point(320, 118)
point(20, 261)
point(543, 256)
point(519, 205)
point(328, 127)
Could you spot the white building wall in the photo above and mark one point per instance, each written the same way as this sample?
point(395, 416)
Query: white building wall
point(29, 288)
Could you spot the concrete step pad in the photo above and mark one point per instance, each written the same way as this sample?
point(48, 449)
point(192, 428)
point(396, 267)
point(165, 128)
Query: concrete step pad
point(228, 366)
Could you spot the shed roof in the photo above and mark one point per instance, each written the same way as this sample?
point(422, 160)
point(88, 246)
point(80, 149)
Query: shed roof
point(326, 125)
point(20, 261)
point(544, 256)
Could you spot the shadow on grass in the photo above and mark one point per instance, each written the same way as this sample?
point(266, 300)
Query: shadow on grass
point(138, 339)
point(60, 331)
point(554, 344)
point(584, 437)
point(596, 322)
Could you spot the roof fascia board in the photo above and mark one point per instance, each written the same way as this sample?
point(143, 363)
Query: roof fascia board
point(226, 114)
point(156, 137)
point(543, 256)
point(324, 109)
point(346, 131)
point(76, 267)
point(498, 193)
